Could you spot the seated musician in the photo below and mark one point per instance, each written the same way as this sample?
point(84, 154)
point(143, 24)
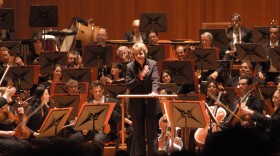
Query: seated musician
point(97, 90)
point(72, 87)
point(135, 35)
point(244, 91)
point(152, 36)
point(245, 70)
point(123, 55)
point(270, 124)
point(6, 58)
point(55, 76)
point(35, 50)
point(74, 60)
point(101, 37)
point(9, 144)
point(117, 75)
point(266, 70)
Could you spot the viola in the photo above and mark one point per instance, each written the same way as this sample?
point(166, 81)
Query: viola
point(21, 132)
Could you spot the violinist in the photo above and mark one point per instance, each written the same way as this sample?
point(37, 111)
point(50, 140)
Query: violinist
point(270, 129)
point(245, 89)
point(37, 110)
point(9, 145)
point(6, 58)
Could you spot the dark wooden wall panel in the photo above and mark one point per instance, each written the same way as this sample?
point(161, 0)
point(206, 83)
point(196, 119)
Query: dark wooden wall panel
point(184, 16)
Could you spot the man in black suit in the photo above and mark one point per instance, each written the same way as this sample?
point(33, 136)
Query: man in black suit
point(266, 68)
point(142, 78)
point(135, 35)
point(236, 34)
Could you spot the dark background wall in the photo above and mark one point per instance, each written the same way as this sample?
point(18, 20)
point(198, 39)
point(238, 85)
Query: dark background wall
point(185, 17)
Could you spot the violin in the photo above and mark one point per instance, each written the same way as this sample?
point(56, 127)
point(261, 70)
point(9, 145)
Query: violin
point(6, 116)
point(21, 131)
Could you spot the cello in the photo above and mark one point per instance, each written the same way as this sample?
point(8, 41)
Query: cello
point(217, 114)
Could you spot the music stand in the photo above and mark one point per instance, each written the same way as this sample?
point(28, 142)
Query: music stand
point(65, 100)
point(81, 75)
point(43, 16)
point(54, 122)
point(13, 46)
point(7, 19)
point(261, 34)
point(48, 60)
point(251, 51)
point(205, 59)
point(219, 37)
point(156, 52)
point(170, 86)
point(153, 21)
point(275, 56)
point(182, 71)
point(97, 56)
point(25, 77)
point(60, 88)
point(94, 117)
point(112, 90)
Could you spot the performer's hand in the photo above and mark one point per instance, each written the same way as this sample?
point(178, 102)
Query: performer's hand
point(145, 71)
point(9, 133)
point(231, 53)
point(214, 75)
point(9, 92)
point(36, 134)
point(261, 76)
point(153, 94)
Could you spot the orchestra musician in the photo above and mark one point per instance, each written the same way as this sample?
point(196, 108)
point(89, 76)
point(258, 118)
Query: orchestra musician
point(236, 34)
point(269, 132)
point(36, 49)
point(245, 88)
point(55, 76)
point(135, 35)
point(74, 60)
point(142, 78)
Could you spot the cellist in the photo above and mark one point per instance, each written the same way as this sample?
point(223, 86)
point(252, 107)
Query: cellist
point(246, 98)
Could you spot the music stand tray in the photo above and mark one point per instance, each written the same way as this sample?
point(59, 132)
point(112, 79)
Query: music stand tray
point(112, 90)
point(170, 86)
point(94, 117)
point(97, 56)
point(182, 71)
point(43, 16)
point(13, 46)
point(205, 59)
point(153, 21)
point(25, 77)
point(65, 100)
point(48, 60)
point(189, 114)
point(251, 51)
point(219, 37)
point(81, 75)
point(261, 34)
point(275, 56)
point(54, 122)
point(7, 19)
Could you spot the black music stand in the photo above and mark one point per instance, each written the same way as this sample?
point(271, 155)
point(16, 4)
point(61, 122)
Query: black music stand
point(7, 19)
point(81, 75)
point(182, 71)
point(251, 51)
point(60, 88)
point(13, 46)
point(25, 77)
point(48, 60)
point(113, 91)
point(97, 56)
point(65, 100)
point(205, 59)
point(153, 21)
point(54, 122)
point(43, 16)
point(94, 117)
point(189, 114)
point(156, 52)
point(170, 86)
point(219, 37)
point(275, 56)
point(261, 34)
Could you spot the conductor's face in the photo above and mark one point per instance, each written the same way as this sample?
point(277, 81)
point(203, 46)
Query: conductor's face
point(139, 56)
